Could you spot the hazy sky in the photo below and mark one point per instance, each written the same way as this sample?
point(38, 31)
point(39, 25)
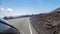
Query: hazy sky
point(24, 7)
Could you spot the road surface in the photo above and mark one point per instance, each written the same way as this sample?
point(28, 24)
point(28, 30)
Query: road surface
point(23, 25)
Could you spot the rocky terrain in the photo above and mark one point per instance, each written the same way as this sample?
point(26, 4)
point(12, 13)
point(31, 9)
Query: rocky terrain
point(47, 23)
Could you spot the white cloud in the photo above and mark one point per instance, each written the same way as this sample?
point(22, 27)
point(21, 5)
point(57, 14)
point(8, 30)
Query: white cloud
point(6, 10)
point(2, 9)
point(9, 10)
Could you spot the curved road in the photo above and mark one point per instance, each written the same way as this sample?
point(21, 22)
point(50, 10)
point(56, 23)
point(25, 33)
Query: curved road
point(23, 25)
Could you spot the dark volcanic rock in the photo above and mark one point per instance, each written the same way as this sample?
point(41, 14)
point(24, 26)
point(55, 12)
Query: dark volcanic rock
point(47, 23)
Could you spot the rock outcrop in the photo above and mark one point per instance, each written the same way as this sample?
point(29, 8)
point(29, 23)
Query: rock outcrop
point(47, 23)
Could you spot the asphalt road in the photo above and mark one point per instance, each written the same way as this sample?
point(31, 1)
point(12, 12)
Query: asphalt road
point(23, 25)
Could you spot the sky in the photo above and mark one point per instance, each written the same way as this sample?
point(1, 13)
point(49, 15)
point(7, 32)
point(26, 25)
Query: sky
point(27, 7)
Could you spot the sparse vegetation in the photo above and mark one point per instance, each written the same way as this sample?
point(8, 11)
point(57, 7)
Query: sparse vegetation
point(47, 23)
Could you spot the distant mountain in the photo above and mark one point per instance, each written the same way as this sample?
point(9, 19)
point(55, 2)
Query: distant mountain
point(56, 10)
point(14, 17)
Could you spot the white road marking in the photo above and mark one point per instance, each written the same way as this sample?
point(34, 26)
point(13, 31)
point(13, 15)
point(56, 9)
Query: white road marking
point(30, 27)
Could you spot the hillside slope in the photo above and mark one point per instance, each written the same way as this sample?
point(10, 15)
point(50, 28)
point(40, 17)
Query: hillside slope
point(47, 23)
